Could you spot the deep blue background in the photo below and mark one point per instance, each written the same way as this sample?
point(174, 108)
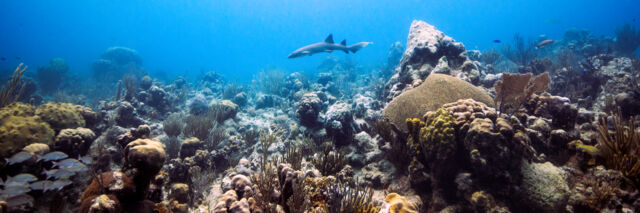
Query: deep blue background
point(238, 38)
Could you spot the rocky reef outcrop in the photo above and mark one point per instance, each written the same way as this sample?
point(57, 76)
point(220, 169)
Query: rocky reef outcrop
point(429, 51)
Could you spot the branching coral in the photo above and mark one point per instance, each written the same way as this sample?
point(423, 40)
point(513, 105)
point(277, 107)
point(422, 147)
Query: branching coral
point(13, 89)
point(627, 39)
point(350, 198)
point(173, 125)
point(491, 57)
point(200, 125)
point(329, 162)
point(266, 182)
point(293, 155)
point(621, 150)
point(520, 53)
point(299, 201)
point(270, 81)
point(515, 89)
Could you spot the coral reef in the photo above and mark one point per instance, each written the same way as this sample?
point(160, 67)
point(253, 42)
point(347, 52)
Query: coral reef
point(429, 51)
point(437, 89)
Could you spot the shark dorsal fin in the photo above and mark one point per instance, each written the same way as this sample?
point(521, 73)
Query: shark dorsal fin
point(329, 39)
point(344, 42)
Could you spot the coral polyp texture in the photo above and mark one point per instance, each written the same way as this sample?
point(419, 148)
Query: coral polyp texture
point(534, 124)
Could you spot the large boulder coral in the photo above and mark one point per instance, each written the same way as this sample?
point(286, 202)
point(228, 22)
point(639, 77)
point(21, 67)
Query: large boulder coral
point(225, 109)
point(74, 142)
point(19, 128)
point(308, 109)
point(467, 110)
point(545, 186)
point(146, 155)
point(493, 155)
point(437, 90)
point(16, 132)
point(115, 62)
point(60, 115)
point(429, 51)
point(338, 122)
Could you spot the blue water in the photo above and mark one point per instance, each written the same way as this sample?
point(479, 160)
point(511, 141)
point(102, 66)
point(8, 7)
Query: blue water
point(239, 38)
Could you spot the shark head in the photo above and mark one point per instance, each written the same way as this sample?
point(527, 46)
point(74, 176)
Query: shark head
point(298, 53)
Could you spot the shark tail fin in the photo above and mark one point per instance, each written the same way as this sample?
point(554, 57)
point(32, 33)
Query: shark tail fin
point(354, 48)
point(344, 42)
point(329, 39)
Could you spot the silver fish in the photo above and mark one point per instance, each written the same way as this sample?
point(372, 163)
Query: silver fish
point(544, 43)
point(59, 184)
point(86, 159)
point(62, 174)
point(49, 173)
point(57, 155)
point(21, 178)
point(20, 200)
point(67, 163)
point(10, 191)
point(43, 185)
point(19, 157)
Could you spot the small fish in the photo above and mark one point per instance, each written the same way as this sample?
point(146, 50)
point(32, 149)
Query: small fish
point(20, 200)
point(61, 174)
point(10, 191)
point(49, 173)
point(19, 157)
point(70, 164)
point(544, 43)
point(85, 159)
point(43, 185)
point(591, 150)
point(57, 155)
point(496, 41)
point(60, 184)
point(21, 178)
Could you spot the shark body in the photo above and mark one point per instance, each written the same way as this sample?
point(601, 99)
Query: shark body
point(327, 46)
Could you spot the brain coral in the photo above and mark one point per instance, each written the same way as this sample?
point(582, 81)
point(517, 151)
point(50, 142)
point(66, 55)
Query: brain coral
point(435, 91)
point(19, 129)
point(60, 115)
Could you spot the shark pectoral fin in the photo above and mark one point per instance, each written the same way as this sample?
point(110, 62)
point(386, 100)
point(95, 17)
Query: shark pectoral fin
point(346, 51)
point(329, 39)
